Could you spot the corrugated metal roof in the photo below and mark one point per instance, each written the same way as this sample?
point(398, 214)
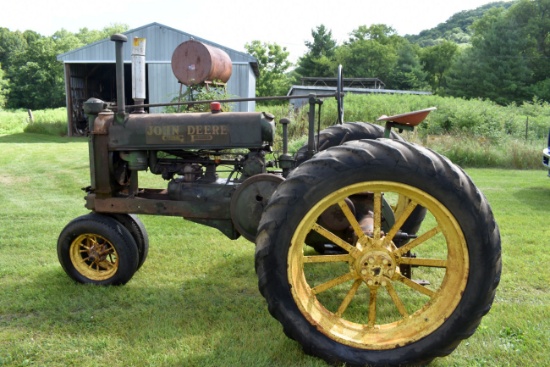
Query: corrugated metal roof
point(161, 43)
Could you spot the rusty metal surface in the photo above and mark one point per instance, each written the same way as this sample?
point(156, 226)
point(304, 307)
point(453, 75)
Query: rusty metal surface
point(206, 210)
point(409, 118)
point(194, 62)
point(249, 200)
point(102, 123)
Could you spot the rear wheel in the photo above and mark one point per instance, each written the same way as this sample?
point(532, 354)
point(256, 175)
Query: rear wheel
point(357, 307)
point(338, 135)
point(97, 249)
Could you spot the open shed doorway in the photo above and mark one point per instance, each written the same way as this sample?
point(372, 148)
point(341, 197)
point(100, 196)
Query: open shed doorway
point(93, 81)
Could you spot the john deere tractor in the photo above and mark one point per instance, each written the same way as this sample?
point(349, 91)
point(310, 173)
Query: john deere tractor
point(370, 251)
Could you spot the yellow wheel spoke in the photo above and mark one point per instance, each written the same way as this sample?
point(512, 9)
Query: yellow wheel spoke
point(333, 283)
point(372, 307)
point(106, 251)
point(105, 266)
point(351, 219)
point(377, 214)
point(417, 287)
point(418, 241)
point(334, 238)
point(327, 258)
point(396, 300)
point(349, 297)
point(432, 263)
point(400, 221)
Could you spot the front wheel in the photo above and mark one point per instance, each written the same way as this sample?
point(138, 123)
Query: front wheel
point(358, 307)
point(97, 249)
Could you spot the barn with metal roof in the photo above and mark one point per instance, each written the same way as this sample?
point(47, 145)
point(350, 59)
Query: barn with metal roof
point(90, 71)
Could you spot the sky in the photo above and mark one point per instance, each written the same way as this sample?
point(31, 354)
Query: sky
point(234, 23)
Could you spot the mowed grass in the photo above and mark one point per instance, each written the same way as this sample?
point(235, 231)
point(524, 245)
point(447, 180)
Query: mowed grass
point(195, 300)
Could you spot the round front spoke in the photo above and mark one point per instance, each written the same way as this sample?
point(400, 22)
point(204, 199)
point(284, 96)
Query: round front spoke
point(94, 256)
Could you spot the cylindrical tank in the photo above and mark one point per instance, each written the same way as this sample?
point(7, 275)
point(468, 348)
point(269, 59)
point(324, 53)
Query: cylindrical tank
point(193, 62)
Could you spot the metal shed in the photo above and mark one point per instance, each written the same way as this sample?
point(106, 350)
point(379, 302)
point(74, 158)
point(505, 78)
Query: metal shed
point(90, 71)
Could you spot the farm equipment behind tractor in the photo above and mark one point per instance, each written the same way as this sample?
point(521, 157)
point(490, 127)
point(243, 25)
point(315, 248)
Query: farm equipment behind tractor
point(369, 250)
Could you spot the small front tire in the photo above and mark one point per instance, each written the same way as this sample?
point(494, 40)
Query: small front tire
point(97, 249)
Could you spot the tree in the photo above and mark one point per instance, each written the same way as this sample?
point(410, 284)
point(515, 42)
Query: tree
point(37, 77)
point(11, 44)
point(507, 50)
point(378, 52)
point(436, 62)
point(30, 61)
point(319, 59)
point(273, 64)
point(4, 88)
point(408, 73)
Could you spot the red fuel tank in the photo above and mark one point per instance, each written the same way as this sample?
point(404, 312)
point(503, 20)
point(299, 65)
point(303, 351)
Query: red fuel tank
point(193, 62)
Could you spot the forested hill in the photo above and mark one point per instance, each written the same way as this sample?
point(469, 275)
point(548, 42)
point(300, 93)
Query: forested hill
point(456, 28)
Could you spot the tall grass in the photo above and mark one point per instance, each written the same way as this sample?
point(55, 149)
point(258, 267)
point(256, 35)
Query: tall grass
point(471, 133)
point(48, 122)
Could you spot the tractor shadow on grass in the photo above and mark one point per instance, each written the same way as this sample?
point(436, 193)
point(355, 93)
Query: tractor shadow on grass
point(214, 316)
point(26, 138)
point(537, 198)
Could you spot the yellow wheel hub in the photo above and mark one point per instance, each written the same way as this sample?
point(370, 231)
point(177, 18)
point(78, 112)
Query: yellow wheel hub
point(360, 297)
point(94, 257)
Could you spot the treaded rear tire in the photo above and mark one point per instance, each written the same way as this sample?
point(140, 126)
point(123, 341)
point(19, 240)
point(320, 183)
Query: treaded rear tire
point(388, 161)
point(339, 134)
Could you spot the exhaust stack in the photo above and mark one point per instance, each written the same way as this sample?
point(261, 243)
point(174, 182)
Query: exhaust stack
point(119, 39)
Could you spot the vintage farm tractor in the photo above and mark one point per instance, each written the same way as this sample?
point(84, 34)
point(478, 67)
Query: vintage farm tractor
point(369, 250)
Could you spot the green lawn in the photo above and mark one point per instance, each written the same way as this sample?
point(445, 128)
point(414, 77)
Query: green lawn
point(195, 300)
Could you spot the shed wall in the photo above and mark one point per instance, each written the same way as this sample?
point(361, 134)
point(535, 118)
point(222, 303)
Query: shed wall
point(162, 85)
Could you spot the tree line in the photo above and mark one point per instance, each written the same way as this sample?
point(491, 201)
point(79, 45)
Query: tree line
point(30, 75)
point(499, 52)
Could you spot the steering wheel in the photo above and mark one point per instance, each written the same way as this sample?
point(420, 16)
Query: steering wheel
point(340, 95)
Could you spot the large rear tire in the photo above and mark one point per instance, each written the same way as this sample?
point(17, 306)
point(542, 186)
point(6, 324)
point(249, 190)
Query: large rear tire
point(357, 307)
point(339, 134)
point(350, 131)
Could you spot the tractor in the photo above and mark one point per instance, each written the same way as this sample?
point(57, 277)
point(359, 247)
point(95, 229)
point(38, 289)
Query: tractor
point(369, 250)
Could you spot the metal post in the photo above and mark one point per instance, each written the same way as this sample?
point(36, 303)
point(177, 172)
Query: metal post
point(138, 73)
point(119, 39)
point(311, 133)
